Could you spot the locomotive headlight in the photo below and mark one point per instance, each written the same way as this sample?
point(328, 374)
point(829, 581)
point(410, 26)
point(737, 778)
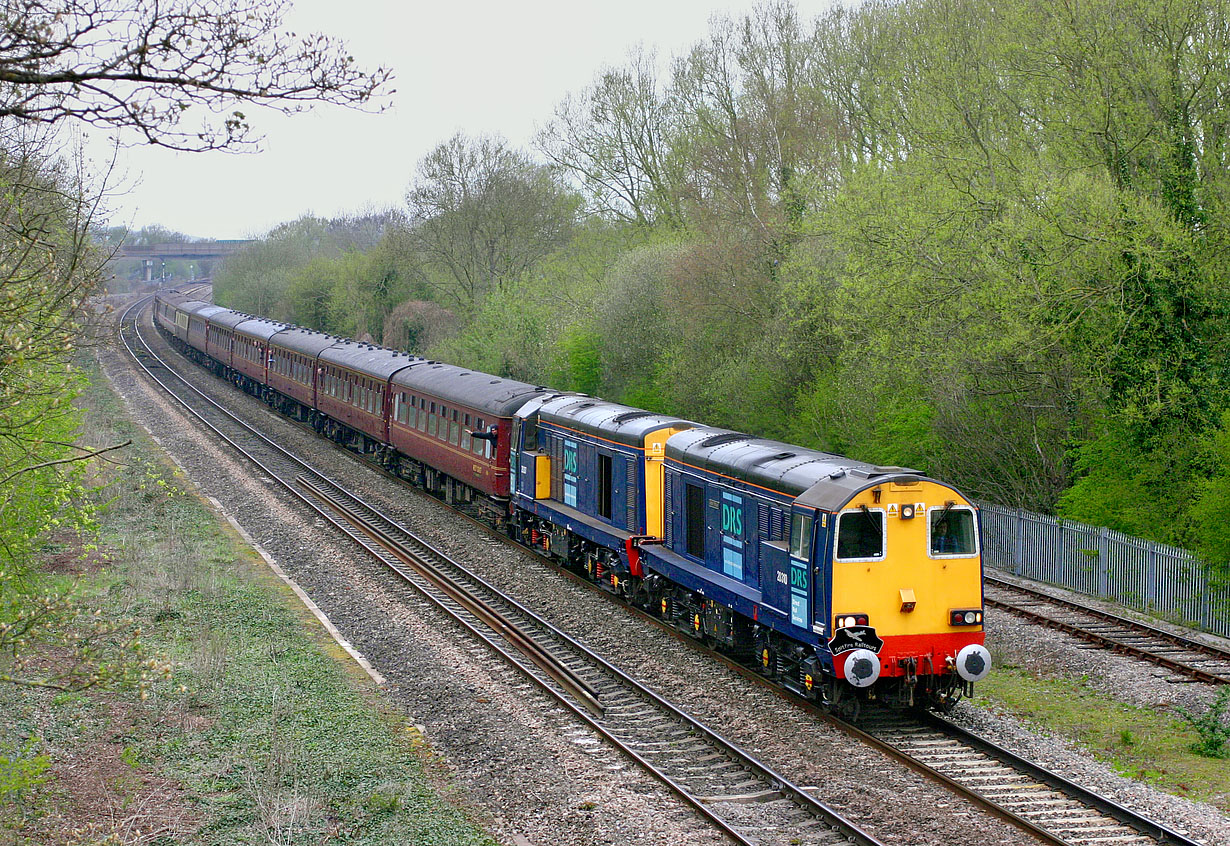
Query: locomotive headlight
point(965, 617)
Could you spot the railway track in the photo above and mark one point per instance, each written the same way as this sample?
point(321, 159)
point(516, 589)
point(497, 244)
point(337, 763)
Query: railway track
point(738, 794)
point(1023, 793)
point(1186, 657)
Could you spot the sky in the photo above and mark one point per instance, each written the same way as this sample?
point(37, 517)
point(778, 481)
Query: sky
point(477, 67)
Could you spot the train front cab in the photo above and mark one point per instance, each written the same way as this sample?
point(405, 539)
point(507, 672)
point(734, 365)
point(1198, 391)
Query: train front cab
point(903, 576)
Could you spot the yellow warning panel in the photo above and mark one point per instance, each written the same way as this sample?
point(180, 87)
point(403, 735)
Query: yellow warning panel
point(542, 477)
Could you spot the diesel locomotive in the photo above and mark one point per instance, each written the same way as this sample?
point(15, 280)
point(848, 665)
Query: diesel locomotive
point(845, 581)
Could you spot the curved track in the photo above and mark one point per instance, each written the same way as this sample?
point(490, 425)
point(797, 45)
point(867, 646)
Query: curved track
point(738, 794)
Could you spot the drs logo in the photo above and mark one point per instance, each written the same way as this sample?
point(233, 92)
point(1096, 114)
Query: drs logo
point(732, 520)
point(570, 460)
point(732, 515)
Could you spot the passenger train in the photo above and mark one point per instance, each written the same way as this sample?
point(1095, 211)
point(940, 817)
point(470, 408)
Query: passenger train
point(845, 581)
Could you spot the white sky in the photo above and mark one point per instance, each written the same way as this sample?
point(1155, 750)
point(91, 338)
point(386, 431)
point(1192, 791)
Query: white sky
point(476, 67)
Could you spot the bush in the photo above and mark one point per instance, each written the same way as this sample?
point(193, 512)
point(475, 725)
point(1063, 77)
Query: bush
point(1212, 727)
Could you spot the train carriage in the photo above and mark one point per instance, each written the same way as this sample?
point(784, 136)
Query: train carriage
point(250, 353)
point(352, 388)
point(293, 366)
point(198, 325)
point(178, 313)
point(220, 339)
point(451, 429)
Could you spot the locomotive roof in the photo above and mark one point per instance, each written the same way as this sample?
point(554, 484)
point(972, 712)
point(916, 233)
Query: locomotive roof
point(481, 391)
point(366, 358)
point(620, 423)
point(307, 342)
point(817, 479)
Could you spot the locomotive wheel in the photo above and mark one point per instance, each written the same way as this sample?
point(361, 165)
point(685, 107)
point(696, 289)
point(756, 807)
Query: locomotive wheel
point(845, 703)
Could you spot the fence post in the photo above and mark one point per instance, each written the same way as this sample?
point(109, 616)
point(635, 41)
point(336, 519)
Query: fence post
point(1152, 594)
point(1104, 563)
point(1018, 541)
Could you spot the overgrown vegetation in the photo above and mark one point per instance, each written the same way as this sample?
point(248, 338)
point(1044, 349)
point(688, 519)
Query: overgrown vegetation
point(1213, 726)
point(1140, 743)
point(263, 733)
point(984, 239)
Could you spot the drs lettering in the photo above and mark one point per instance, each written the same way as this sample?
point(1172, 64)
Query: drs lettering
point(732, 520)
point(798, 578)
point(570, 461)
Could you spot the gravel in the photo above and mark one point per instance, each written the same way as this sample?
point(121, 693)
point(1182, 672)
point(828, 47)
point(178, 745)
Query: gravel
point(530, 772)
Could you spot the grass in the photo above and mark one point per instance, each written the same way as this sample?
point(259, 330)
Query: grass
point(1140, 743)
point(263, 732)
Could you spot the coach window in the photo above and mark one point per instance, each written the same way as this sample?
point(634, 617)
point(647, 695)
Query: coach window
point(454, 433)
point(952, 532)
point(860, 535)
point(694, 514)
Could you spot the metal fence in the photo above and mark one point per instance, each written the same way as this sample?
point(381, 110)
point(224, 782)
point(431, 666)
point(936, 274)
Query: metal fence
point(1152, 577)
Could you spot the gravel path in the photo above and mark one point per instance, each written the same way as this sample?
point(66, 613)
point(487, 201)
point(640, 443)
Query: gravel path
point(535, 775)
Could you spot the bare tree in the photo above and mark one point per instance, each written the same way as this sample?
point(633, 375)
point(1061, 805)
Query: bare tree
point(481, 214)
point(615, 137)
point(174, 72)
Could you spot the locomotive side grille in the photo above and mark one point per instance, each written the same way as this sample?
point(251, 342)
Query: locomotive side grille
point(557, 467)
point(762, 521)
point(670, 510)
point(630, 495)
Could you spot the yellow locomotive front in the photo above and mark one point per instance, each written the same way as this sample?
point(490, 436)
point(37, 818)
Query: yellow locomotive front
point(906, 593)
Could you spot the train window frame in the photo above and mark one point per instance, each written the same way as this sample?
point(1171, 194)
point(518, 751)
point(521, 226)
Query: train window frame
point(931, 553)
point(802, 530)
point(860, 512)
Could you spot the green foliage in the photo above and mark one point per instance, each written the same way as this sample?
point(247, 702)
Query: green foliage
point(1213, 726)
point(583, 358)
point(22, 771)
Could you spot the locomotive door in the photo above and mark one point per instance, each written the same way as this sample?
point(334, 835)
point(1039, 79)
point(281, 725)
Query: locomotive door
point(802, 537)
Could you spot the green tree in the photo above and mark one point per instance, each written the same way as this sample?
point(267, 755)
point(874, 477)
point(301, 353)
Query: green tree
point(482, 215)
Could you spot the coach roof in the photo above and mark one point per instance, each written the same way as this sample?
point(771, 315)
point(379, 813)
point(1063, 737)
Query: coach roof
point(480, 391)
point(368, 359)
point(307, 342)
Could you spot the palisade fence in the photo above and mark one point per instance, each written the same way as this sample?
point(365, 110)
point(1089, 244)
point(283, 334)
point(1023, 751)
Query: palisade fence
point(1151, 577)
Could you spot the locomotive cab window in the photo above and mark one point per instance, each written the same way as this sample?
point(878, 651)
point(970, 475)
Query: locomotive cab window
point(860, 535)
point(952, 532)
point(800, 536)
